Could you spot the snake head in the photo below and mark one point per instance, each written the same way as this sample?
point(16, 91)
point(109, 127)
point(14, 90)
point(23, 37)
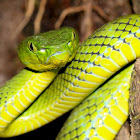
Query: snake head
point(49, 50)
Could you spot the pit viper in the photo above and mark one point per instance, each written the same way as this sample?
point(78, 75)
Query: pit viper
point(61, 75)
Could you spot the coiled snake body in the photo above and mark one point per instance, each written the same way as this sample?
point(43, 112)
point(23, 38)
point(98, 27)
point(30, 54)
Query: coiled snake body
point(100, 115)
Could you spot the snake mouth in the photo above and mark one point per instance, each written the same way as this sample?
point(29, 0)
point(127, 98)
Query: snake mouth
point(54, 61)
point(59, 59)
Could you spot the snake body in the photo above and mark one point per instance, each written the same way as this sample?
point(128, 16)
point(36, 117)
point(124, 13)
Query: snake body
point(101, 115)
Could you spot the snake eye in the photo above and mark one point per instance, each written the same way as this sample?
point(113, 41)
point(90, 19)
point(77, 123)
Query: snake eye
point(32, 47)
point(73, 35)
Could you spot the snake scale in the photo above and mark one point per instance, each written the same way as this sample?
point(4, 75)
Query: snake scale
point(36, 97)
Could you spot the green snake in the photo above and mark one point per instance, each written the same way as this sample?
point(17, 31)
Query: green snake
point(43, 91)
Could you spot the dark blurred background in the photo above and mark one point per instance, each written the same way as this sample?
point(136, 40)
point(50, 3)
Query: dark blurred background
point(83, 15)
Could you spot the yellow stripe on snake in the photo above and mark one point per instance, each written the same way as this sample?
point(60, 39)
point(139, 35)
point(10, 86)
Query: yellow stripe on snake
point(104, 109)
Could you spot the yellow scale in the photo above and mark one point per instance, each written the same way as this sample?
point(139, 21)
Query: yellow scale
point(31, 88)
point(99, 57)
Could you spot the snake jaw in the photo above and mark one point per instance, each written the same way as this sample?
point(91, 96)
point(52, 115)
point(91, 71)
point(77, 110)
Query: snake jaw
point(60, 59)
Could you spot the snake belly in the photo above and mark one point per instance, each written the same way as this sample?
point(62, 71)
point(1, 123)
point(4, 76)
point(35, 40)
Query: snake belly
point(103, 53)
point(18, 93)
point(101, 115)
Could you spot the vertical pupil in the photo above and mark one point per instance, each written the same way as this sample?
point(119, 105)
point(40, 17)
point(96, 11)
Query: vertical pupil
point(31, 47)
point(74, 35)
